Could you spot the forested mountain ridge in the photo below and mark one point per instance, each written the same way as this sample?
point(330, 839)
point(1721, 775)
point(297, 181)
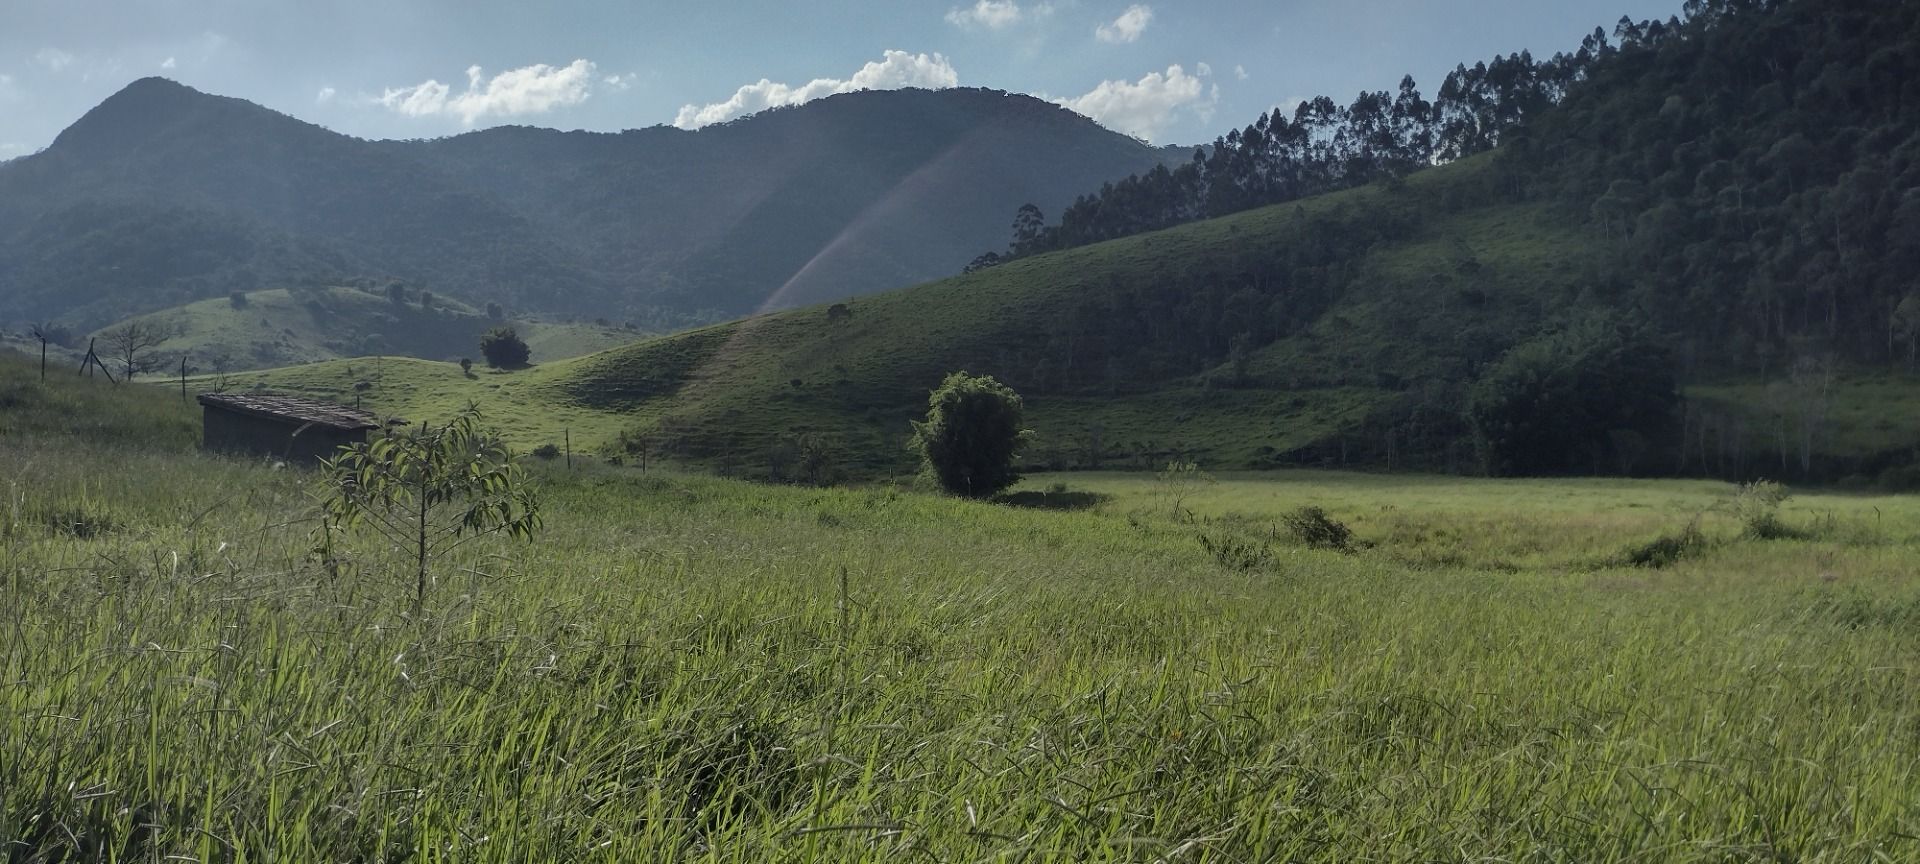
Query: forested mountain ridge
point(1752, 165)
point(163, 195)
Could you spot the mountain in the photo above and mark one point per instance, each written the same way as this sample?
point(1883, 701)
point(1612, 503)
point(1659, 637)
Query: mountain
point(1697, 259)
point(163, 195)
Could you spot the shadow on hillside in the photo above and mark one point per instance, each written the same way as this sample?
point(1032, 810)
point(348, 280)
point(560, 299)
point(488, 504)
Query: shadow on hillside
point(1053, 500)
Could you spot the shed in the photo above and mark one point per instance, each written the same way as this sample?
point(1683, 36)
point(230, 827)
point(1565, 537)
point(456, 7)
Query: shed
point(294, 428)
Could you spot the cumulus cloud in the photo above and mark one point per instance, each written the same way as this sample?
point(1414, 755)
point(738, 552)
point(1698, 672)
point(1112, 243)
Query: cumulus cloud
point(169, 63)
point(54, 59)
point(1127, 27)
point(534, 89)
point(1239, 72)
point(994, 14)
point(325, 95)
point(895, 70)
point(618, 82)
point(1143, 108)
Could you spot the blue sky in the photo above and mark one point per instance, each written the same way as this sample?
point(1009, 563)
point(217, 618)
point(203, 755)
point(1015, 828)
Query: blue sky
point(1165, 71)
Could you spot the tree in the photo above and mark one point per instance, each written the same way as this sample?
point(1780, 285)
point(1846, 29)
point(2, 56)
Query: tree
point(1562, 402)
point(496, 311)
point(426, 301)
point(504, 349)
point(397, 292)
point(429, 489)
point(133, 342)
point(972, 432)
point(237, 299)
point(839, 314)
point(466, 366)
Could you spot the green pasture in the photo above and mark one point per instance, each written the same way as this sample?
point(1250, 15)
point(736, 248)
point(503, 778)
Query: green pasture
point(683, 667)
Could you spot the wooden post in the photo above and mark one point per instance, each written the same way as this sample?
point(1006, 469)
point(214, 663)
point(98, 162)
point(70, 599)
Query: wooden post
point(43, 354)
point(183, 377)
point(567, 435)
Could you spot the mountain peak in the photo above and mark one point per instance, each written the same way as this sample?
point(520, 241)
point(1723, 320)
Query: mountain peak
point(140, 112)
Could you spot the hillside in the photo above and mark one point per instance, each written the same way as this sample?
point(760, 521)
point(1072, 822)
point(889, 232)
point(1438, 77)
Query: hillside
point(283, 326)
point(1753, 305)
point(1112, 344)
point(163, 195)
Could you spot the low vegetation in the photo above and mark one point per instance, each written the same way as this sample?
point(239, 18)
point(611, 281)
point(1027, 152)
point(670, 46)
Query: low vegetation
point(688, 666)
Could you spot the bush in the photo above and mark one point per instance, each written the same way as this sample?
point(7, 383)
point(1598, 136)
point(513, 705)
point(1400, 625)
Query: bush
point(1313, 527)
point(547, 451)
point(973, 430)
point(504, 349)
point(1666, 550)
point(237, 299)
point(1757, 506)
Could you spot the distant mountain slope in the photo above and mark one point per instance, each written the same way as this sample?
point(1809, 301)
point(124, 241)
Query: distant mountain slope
point(163, 195)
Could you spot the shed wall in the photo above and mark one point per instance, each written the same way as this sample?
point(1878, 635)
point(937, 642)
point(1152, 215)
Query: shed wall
point(246, 434)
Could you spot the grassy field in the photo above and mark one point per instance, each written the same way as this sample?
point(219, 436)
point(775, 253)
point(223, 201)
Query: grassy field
point(1102, 667)
point(281, 327)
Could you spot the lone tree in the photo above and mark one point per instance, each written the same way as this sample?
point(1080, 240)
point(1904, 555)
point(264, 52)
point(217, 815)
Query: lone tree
point(429, 489)
point(504, 349)
point(972, 432)
point(133, 342)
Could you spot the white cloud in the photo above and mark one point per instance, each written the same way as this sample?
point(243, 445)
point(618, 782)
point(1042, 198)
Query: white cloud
point(325, 95)
point(618, 82)
point(1143, 108)
point(169, 63)
point(534, 89)
point(1127, 27)
point(1239, 72)
point(54, 59)
point(995, 14)
point(895, 70)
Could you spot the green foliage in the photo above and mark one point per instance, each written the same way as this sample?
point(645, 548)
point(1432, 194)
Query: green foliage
point(1556, 403)
point(1312, 527)
point(973, 430)
point(1757, 506)
point(428, 489)
point(504, 349)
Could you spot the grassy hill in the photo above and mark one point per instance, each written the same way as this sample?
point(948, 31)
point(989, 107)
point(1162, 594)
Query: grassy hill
point(282, 326)
point(728, 392)
point(1419, 284)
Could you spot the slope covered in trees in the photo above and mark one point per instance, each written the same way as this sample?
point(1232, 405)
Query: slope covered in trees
point(163, 195)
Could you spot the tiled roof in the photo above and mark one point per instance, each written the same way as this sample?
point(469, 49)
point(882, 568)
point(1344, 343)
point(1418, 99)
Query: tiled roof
point(295, 409)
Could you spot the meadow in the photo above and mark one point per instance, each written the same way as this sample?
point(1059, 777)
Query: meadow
point(1098, 667)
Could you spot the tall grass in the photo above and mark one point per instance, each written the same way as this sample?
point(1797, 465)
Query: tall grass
point(686, 668)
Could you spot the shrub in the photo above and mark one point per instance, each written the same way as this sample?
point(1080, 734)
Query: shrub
point(504, 349)
point(973, 430)
point(1235, 553)
point(1757, 506)
point(548, 451)
point(1666, 550)
point(1313, 527)
point(237, 299)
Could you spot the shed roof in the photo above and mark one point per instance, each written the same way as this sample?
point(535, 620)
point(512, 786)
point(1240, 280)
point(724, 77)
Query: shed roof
point(293, 409)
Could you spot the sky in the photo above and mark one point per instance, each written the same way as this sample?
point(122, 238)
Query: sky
point(1167, 72)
